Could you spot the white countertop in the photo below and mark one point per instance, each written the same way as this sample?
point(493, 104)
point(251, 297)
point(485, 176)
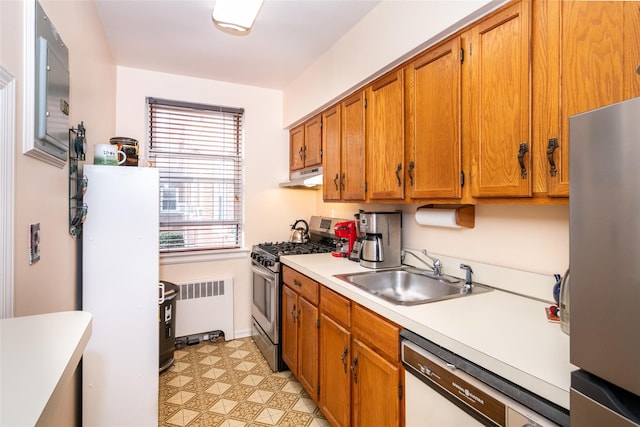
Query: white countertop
point(505, 333)
point(37, 354)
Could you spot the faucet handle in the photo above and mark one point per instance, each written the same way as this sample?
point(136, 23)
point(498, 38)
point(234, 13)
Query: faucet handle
point(437, 265)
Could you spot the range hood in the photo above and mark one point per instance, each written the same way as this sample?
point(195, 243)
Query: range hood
point(310, 179)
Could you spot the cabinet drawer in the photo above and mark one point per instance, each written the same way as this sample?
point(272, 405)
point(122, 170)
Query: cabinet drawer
point(377, 332)
point(336, 306)
point(300, 283)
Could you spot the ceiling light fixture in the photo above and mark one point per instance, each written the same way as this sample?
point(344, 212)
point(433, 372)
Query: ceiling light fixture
point(236, 16)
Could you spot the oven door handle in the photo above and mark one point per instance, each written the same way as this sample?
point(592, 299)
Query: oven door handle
point(261, 272)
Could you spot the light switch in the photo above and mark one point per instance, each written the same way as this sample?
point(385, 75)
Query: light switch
point(34, 243)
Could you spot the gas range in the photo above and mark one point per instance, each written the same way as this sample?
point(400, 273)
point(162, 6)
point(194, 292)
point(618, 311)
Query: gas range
point(268, 254)
point(266, 322)
point(322, 239)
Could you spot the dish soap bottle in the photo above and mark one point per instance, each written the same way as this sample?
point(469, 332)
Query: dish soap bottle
point(565, 304)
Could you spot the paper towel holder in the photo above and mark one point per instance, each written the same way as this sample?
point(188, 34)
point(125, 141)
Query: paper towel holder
point(461, 215)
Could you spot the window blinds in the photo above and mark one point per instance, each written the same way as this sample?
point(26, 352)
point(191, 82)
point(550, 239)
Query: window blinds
point(198, 150)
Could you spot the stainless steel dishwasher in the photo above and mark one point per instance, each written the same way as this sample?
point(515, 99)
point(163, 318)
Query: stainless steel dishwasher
point(445, 390)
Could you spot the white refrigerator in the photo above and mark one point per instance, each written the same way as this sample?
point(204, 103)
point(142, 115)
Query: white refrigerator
point(120, 245)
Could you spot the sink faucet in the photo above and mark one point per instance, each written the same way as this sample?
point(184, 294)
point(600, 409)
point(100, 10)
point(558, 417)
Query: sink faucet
point(437, 265)
point(468, 282)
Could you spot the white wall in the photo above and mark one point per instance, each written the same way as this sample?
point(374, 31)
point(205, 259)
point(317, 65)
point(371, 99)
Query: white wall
point(41, 190)
point(269, 210)
point(532, 238)
point(388, 35)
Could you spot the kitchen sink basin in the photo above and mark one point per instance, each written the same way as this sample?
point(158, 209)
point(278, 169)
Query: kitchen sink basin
point(407, 286)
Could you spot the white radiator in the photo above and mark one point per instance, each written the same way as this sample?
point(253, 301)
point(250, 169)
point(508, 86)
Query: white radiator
point(205, 306)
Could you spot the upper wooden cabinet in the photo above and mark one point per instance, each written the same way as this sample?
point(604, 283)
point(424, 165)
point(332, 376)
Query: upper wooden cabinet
point(594, 61)
point(332, 165)
point(385, 137)
point(305, 142)
point(483, 116)
point(343, 135)
point(432, 123)
point(498, 55)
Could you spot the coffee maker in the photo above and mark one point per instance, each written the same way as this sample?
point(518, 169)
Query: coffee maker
point(382, 241)
point(346, 233)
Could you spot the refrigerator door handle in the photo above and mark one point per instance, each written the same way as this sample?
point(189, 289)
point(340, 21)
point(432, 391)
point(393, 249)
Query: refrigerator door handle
point(161, 286)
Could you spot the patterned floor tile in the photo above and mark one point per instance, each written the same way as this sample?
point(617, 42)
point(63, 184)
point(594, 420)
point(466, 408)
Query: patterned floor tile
point(229, 384)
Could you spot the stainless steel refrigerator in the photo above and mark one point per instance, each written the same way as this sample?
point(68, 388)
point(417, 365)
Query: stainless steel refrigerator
point(605, 265)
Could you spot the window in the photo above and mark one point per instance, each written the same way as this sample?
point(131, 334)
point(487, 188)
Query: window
point(198, 150)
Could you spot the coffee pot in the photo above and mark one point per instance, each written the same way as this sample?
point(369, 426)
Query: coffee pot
point(354, 255)
point(299, 234)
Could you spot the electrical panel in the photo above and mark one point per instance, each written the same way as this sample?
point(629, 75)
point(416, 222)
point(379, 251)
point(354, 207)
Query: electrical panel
point(51, 89)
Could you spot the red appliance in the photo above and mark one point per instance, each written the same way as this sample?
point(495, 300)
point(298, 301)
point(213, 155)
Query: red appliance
point(346, 234)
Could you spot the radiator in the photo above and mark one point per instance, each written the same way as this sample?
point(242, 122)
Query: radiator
point(205, 306)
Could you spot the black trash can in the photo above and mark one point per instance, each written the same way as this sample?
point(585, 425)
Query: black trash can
point(167, 332)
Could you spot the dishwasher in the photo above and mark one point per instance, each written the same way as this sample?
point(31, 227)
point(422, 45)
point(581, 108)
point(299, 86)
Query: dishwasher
point(444, 390)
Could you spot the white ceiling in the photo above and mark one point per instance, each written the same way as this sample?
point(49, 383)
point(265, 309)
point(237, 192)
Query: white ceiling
point(179, 37)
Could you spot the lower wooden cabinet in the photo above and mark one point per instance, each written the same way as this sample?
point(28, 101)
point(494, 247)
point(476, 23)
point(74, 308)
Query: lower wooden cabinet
point(300, 328)
point(377, 388)
point(335, 357)
point(360, 379)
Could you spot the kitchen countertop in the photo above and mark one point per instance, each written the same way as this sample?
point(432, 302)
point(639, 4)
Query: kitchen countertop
point(505, 333)
point(38, 354)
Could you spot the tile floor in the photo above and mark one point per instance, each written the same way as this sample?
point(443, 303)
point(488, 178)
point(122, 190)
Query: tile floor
point(229, 384)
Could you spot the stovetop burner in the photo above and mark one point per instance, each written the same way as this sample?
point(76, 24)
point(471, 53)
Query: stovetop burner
point(289, 248)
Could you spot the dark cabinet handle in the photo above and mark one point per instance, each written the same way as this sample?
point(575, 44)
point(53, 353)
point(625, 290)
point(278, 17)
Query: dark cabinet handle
point(345, 352)
point(342, 181)
point(301, 154)
point(335, 181)
point(524, 148)
point(293, 313)
point(412, 166)
point(553, 144)
point(398, 169)
point(354, 366)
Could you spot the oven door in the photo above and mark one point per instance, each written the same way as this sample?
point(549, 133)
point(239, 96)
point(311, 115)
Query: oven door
point(265, 300)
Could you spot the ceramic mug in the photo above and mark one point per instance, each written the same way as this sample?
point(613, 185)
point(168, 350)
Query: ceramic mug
point(107, 154)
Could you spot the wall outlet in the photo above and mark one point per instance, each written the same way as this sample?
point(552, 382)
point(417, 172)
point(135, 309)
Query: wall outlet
point(34, 243)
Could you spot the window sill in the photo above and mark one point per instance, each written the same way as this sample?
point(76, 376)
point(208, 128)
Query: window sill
point(202, 256)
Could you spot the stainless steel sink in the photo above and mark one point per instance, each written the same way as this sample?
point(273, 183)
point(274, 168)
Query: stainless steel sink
point(407, 286)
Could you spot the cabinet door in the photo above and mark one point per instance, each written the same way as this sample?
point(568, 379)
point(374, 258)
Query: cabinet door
point(376, 385)
point(631, 50)
point(296, 147)
point(290, 314)
point(591, 70)
point(313, 141)
point(352, 178)
point(499, 57)
point(335, 379)
point(433, 123)
point(385, 137)
point(308, 347)
point(331, 154)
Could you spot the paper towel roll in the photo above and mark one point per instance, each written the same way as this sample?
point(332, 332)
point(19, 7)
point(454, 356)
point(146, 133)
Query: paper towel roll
point(437, 217)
